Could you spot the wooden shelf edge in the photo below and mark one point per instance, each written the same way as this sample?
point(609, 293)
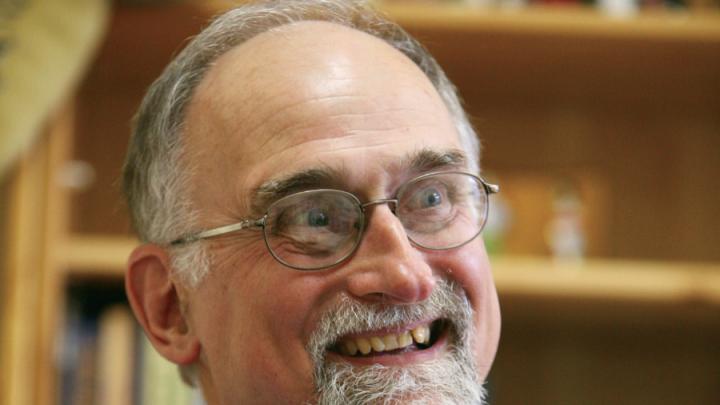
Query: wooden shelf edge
point(529, 277)
point(96, 255)
point(567, 20)
point(609, 280)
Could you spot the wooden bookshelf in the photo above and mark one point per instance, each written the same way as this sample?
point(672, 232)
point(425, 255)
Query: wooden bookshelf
point(97, 255)
point(573, 21)
point(611, 280)
point(567, 20)
point(536, 79)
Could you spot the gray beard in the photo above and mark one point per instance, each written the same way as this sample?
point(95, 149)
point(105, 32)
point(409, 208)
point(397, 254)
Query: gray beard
point(450, 379)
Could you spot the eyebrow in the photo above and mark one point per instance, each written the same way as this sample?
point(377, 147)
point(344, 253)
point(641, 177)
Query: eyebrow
point(425, 160)
point(309, 179)
point(418, 162)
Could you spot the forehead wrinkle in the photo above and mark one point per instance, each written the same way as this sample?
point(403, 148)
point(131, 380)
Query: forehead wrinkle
point(331, 130)
point(424, 113)
point(287, 125)
point(287, 108)
point(371, 138)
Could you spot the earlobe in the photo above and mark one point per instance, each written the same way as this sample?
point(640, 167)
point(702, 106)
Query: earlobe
point(156, 301)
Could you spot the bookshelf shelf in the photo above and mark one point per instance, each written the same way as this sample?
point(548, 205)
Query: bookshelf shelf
point(563, 20)
point(104, 255)
point(560, 20)
point(647, 282)
point(609, 280)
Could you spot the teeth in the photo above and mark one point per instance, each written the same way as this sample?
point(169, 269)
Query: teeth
point(391, 342)
point(377, 344)
point(405, 339)
point(365, 345)
point(421, 334)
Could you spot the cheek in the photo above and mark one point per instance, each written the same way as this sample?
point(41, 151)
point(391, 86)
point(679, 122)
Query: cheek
point(283, 304)
point(470, 267)
point(258, 325)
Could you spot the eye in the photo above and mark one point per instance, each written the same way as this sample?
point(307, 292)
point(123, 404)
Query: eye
point(430, 198)
point(304, 215)
point(315, 212)
point(317, 217)
point(427, 197)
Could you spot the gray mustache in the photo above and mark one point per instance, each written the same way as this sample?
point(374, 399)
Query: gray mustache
point(350, 316)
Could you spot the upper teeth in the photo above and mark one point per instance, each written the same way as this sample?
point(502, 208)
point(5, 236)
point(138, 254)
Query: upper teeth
point(366, 344)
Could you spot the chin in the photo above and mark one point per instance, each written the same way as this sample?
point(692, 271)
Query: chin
point(430, 357)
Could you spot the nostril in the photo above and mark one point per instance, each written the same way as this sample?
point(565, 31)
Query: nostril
point(425, 287)
point(377, 297)
point(391, 282)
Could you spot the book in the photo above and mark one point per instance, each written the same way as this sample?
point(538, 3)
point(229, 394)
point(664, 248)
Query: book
point(160, 382)
point(115, 357)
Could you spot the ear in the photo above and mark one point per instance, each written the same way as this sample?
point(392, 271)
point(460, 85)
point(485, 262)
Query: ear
point(155, 300)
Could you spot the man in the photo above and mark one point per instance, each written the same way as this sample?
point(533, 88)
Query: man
point(303, 178)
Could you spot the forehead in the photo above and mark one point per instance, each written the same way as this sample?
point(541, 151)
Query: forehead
point(309, 94)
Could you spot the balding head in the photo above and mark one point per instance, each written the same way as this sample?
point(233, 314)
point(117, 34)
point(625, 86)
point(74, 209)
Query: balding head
point(302, 82)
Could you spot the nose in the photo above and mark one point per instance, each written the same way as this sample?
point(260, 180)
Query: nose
point(386, 267)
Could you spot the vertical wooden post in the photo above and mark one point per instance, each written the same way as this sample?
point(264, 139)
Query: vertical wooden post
point(57, 231)
point(36, 228)
point(24, 263)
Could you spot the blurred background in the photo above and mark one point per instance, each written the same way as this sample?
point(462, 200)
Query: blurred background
point(600, 119)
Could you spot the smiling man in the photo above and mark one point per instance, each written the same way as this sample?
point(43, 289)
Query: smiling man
point(306, 186)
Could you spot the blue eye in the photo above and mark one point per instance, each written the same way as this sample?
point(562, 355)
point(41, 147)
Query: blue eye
point(317, 217)
point(431, 198)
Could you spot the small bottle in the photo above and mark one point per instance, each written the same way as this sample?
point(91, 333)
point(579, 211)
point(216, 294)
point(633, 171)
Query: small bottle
point(564, 234)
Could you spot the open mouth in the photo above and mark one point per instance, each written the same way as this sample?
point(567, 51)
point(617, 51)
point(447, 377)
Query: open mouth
point(418, 338)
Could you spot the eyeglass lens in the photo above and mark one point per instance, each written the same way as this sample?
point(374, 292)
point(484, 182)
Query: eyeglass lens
point(319, 228)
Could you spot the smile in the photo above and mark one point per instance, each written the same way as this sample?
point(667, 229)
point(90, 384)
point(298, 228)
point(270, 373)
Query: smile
point(420, 337)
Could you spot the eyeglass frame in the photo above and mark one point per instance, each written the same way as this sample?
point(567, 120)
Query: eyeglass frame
point(261, 222)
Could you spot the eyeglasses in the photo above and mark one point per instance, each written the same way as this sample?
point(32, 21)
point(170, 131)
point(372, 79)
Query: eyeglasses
point(317, 229)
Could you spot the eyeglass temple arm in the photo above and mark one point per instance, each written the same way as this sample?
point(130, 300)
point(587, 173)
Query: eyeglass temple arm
point(223, 230)
point(491, 188)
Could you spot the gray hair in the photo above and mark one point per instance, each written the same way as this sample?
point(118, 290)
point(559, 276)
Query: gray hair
point(451, 379)
point(155, 176)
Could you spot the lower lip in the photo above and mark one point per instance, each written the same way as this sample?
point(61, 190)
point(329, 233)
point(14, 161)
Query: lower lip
point(399, 359)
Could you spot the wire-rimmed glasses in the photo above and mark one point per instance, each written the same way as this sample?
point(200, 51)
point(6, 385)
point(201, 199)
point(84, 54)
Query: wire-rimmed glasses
point(317, 229)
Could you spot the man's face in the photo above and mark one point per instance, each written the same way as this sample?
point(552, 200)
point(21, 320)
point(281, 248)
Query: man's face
point(319, 98)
